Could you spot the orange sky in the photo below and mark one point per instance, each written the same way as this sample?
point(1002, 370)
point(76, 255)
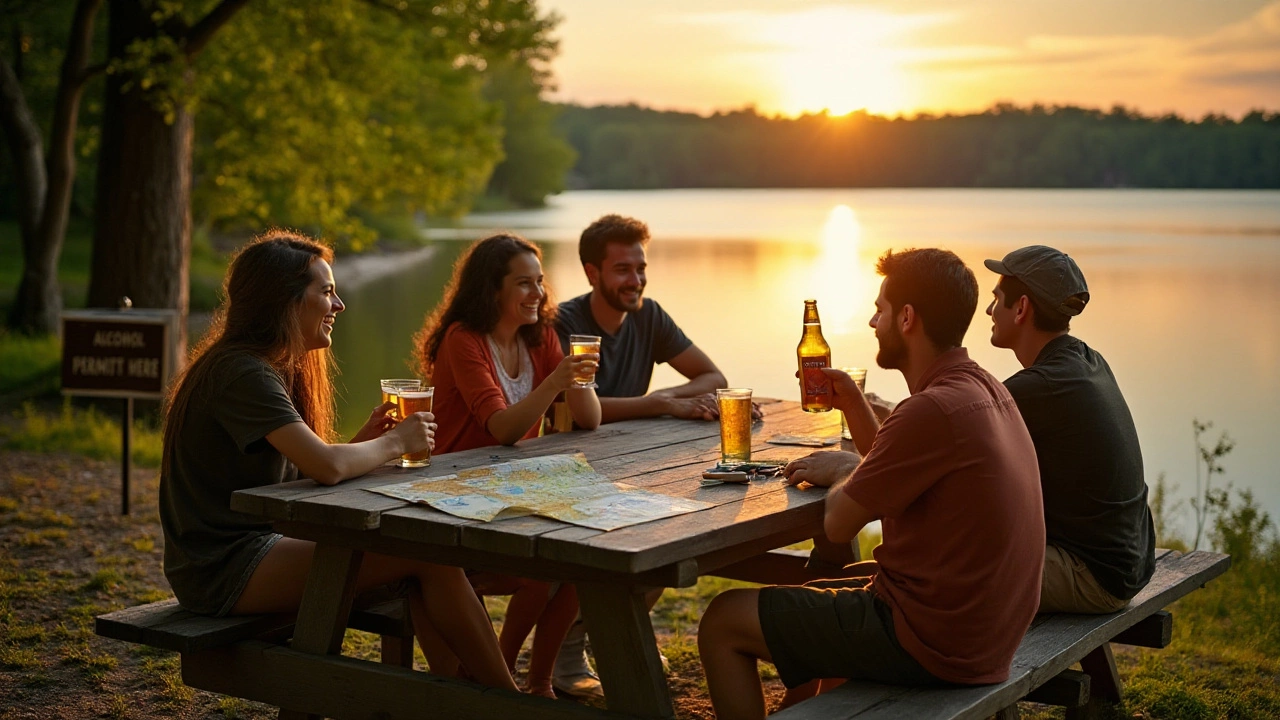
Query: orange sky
point(908, 56)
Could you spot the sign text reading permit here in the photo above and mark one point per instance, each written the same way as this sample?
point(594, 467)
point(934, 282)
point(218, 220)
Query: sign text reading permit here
point(114, 356)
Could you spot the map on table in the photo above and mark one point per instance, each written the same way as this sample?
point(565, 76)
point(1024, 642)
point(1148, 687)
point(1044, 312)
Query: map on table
point(561, 487)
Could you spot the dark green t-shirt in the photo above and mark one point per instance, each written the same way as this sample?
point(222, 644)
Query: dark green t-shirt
point(1095, 497)
point(647, 337)
point(210, 551)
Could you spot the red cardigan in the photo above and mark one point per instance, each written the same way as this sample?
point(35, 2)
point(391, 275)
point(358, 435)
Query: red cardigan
point(467, 391)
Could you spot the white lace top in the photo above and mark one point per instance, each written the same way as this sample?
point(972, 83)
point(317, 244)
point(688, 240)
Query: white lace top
point(515, 388)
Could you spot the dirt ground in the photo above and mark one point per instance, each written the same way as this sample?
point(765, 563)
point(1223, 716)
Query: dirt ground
point(67, 555)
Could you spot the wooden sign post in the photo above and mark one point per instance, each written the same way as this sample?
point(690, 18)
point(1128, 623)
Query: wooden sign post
point(125, 353)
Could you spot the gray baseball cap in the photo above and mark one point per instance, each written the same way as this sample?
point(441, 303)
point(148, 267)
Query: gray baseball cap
point(1053, 277)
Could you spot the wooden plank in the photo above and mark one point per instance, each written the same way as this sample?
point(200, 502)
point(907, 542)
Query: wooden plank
point(351, 689)
point(1069, 688)
point(351, 508)
point(672, 459)
point(1155, 631)
point(626, 653)
point(326, 602)
point(1053, 644)
point(676, 574)
point(768, 508)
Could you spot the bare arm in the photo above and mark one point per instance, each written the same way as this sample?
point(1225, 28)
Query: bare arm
point(692, 400)
point(703, 375)
point(331, 464)
point(510, 424)
point(844, 516)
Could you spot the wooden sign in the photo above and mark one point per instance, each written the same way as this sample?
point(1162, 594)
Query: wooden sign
point(118, 353)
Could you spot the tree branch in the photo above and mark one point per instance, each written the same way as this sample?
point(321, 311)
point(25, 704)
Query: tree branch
point(203, 31)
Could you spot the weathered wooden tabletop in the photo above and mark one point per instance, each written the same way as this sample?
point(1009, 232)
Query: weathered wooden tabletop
point(612, 570)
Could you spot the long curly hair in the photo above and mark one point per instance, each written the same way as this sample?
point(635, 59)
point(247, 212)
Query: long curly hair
point(259, 315)
point(471, 298)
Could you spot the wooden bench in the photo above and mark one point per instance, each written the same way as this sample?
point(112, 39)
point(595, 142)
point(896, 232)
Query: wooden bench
point(1041, 669)
point(167, 626)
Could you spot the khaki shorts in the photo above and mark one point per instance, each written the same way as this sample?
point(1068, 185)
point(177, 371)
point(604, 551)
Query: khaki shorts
point(1068, 586)
point(835, 629)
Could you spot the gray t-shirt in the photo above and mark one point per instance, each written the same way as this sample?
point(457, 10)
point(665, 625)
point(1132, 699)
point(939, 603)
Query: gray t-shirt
point(210, 551)
point(1095, 497)
point(646, 337)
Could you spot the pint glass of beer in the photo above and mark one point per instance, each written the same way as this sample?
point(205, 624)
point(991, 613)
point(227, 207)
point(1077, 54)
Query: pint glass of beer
point(735, 424)
point(391, 389)
point(859, 376)
point(585, 345)
point(412, 401)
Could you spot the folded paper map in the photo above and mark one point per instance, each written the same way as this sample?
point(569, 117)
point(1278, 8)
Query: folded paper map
point(562, 487)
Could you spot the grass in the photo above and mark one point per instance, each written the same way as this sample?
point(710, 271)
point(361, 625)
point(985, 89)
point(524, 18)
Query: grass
point(83, 431)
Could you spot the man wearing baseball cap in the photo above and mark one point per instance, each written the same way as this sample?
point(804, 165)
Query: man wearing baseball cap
point(1100, 540)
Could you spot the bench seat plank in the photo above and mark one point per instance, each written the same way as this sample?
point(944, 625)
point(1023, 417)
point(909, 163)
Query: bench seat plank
point(168, 626)
point(1052, 644)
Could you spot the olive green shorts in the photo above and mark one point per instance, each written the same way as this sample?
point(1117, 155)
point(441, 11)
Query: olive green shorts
point(835, 629)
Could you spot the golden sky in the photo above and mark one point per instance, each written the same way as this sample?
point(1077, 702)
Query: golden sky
point(909, 56)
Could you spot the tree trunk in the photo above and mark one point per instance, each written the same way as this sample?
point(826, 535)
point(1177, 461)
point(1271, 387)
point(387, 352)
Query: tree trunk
point(142, 233)
point(45, 187)
point(38, 302)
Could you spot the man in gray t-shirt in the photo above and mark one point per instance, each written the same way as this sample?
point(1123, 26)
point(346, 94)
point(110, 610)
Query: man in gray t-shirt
point(636, 333)
point(1100, 539)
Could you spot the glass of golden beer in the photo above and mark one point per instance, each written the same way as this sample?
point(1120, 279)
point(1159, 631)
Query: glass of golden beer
point(735, 424)
point(391, 389)
point(412, 401)
point(585, 345)
point(859, 376)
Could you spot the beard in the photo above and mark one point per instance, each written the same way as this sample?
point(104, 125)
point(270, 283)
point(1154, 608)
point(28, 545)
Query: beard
point(613, 298)
point(893, 349)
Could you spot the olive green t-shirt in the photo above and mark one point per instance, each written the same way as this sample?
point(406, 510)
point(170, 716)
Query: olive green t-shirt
point(210, 550)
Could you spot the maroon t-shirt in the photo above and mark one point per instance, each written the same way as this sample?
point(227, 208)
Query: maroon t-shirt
point(953, 476)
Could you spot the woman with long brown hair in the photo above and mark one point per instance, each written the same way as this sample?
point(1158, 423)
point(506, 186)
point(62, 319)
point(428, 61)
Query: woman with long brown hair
point(492, 353)
point(255, 407)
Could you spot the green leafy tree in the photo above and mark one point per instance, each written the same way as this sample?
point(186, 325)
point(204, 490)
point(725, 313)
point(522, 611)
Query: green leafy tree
point(314, 112)
point(535, 158)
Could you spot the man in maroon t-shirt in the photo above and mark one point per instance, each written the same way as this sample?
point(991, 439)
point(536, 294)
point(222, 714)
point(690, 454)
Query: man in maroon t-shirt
point(952, 476)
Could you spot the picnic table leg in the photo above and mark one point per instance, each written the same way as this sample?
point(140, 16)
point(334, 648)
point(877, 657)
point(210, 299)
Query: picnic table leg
point(1104, 679)
point(626, 650)
point(326, 605)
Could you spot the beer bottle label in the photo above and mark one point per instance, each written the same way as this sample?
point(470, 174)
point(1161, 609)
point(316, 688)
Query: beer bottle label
point(815, 381)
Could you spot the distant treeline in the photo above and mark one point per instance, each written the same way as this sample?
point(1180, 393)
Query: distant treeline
point(625, 147)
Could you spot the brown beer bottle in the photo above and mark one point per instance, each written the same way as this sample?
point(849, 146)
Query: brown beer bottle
point(814, 353)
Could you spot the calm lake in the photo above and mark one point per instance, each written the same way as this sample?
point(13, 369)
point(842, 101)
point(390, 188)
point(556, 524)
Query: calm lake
point(1185, 292)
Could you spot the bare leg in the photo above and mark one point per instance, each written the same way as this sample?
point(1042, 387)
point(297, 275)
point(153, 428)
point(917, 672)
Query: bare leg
point(799, 693)
point(730, 642)
point(446, 613)
point(553, 625)
point(526, 606)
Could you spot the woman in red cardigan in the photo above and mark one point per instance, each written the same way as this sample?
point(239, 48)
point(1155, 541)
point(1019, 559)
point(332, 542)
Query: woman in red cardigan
point(491, 351)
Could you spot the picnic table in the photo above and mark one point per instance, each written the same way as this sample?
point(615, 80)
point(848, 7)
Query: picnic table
point(612, 570)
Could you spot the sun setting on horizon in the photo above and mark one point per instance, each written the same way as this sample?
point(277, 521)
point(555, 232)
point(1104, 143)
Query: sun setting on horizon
point(905, 57)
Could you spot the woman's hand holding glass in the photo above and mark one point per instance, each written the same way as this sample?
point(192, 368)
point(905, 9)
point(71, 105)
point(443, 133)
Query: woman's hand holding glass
point(416, 432)
point(571, 367)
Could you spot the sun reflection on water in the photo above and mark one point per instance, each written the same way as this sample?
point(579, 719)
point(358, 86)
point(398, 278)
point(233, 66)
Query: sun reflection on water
point(841, 280)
